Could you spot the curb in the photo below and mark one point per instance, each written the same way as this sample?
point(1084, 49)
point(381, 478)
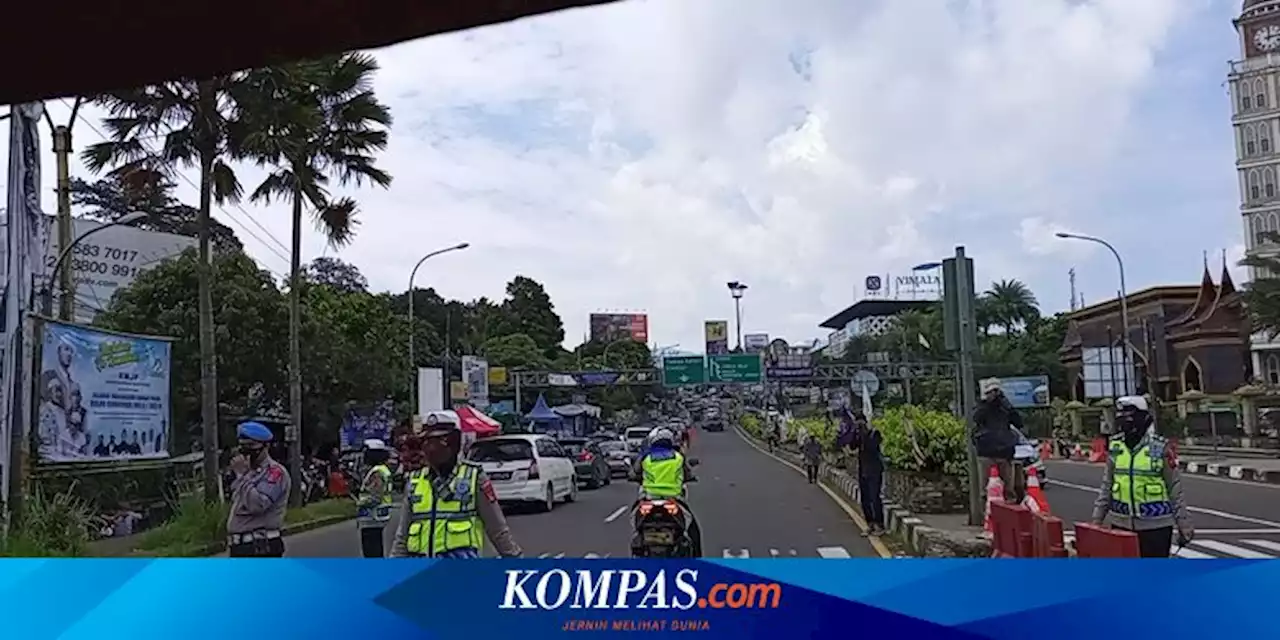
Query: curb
point(215, 548)
point(1234, 472)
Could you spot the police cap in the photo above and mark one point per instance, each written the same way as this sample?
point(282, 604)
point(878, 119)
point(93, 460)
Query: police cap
point(438, 423)
point(255, 431)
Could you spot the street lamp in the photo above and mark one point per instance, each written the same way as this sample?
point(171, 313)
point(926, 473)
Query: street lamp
point(46, 293)
point(736, 289)
point(413, 392)
point(1124, 303)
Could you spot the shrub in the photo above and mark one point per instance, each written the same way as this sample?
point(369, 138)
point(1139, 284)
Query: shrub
point(753, 424)
point(61, 526)
point(195, 523)
point(920, 440)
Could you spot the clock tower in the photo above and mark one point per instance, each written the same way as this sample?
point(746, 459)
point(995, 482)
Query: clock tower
point(1254, 82)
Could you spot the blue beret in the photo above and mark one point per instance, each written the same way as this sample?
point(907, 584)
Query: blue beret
point(255, 431)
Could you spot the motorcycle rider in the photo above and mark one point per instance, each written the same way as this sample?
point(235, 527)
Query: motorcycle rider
point(449, 504)
point(374, 499)
point(662, 472)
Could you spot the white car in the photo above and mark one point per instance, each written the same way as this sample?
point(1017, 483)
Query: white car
point(527, 468)
point(635, 437)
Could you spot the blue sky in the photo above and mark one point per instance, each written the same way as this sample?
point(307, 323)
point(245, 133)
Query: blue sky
point(638, 156)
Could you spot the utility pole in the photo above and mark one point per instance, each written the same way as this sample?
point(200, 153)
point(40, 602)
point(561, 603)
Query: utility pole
point(1071, 274)
point(62, 154)
point(960, 330)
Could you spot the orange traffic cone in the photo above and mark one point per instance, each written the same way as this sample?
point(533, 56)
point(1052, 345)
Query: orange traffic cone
point(1035, 500)
point(995, 491)
point(1077, 453)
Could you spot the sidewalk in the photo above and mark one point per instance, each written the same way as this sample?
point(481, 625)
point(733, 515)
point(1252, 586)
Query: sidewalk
point(1262, 470)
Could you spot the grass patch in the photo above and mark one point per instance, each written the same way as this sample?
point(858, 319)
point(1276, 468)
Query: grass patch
point(198, 525)
point(57, 526)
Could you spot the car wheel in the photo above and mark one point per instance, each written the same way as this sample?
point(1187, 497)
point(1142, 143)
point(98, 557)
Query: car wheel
point(549, 502)
point(608, 478)
point(573, 491)
point(593, 482)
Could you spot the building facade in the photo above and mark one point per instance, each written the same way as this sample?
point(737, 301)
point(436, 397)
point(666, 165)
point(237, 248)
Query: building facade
point(1254, 82)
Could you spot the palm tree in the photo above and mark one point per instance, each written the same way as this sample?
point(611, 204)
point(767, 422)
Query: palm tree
point(1262, 295)
point(313, 122)
point(191, 119)
point(1011, 305)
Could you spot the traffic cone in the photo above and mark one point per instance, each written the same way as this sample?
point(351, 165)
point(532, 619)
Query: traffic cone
point(995, 491)
point(1077, 453)
point(1035, 500)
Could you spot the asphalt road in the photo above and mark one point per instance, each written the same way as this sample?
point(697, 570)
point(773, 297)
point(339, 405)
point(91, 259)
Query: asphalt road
point(1233, 519)
point(749, 505)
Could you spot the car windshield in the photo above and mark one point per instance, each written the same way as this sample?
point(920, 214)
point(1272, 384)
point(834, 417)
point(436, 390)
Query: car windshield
point(609, 447)
point(637, 434)
point(573, 446)
point(501, 451)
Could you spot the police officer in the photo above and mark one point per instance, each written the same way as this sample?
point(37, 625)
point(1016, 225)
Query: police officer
point(1141, 486)
point(449, 504)
point(259, 497)
point(374, 499)
point(663, 471)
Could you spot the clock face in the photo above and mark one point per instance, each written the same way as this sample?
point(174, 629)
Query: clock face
point(1267, 38)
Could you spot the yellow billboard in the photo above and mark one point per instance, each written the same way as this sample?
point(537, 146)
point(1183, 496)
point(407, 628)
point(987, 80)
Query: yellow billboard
point(717, 334)
point(458, 390)
point(497, 376)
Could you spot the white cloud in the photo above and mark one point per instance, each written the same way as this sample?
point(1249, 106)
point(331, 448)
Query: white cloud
point(642, 154)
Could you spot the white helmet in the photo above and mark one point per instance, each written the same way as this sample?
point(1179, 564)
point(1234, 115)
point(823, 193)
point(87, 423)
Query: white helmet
point(374, 445)
point(662, 434)
point(1138, 403)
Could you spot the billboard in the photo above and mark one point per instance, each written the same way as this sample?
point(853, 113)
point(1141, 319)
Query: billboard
point(430, 390)
point(783, 361)
point(106, 262)
point(1025, 392)
point(475, 372)
point(102, 396)
point(717, 336)
point(609, 327)
point(755, 342)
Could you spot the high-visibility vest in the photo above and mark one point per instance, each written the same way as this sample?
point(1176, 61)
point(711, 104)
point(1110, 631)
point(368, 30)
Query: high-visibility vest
point(663, 474)
point(448, 521)
point(1138, 489)
point(377, 512)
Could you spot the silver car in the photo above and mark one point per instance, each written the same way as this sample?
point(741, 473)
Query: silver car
point(1027, 453)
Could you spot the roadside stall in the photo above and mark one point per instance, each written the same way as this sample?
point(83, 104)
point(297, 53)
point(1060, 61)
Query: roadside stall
point(475, 425)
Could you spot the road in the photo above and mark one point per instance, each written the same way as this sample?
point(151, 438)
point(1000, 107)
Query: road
point(749, 505)
point(1233, 519)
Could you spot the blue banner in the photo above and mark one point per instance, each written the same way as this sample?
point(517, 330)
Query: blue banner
point(1026, 391)
point(101, 395)
point(532, 599)
point(358, 426)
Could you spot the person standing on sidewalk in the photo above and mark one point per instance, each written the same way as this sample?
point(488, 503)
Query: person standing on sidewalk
point(1141, 488)
point(812, 450)
point(866, 440)
point(374, 500)
point(259, 496)
point(994, 440)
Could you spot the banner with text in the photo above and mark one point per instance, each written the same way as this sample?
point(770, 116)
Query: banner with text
point(755, 342)
point(475, 372)
point(102, 396)
point(717, 334)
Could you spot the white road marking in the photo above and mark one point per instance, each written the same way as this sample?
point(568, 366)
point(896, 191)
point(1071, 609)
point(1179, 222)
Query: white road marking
point(559, 556)
point(1239, 552)
point(833, 552)
point(618, 514)
point(773, 553)
point(728, 553)
point(1270, 545)
point(1192, 554)
point(544, 555)
point(591, 556)
point(1207, 512)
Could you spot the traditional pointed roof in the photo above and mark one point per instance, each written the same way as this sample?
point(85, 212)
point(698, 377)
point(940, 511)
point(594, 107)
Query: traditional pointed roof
point(1204, 299)
point(1225, 298)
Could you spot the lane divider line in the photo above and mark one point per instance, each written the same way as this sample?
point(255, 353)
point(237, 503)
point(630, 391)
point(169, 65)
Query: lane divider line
point(1207, 512)
point(853, 514)
point(617, 514)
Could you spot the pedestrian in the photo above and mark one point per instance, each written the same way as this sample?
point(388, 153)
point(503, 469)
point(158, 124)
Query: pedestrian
point(374, 500)
point(994, 439)
point(812, 450)
point(259, 497)
point(449, 504)
point(867, 440)
point(1141, 488)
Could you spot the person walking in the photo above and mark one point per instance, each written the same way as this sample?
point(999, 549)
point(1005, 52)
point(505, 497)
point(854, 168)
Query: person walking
point(994, 440)
point(867, 440)
point(812, 450)
point(1141, 487)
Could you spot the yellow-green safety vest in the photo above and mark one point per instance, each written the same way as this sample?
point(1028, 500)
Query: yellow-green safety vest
point(447, 522)
point(1138, 489)
point(379, 511)
point(663, 477)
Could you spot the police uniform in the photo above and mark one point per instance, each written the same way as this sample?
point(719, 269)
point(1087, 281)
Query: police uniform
point(663, 473)
point(448, 513)
point(259, 498)
point(374, 505)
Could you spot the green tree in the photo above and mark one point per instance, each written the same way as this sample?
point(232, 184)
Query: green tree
point(150, 192)
point(529, 310)
point(1011, 305)
point(313, 122)
point(250, 315)
point(515, 351)
point(193, 120)
point(1262, 295)
point(334, 273)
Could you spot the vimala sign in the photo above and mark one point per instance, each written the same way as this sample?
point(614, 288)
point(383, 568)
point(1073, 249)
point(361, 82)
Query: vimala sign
point(917, 282)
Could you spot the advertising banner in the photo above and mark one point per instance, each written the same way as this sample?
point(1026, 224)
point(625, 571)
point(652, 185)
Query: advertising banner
point(102, 396)
point(782, 361)
point(375, 424)
point(609, 327)
point(1026, 391)
point(497, 376)
point(430, 390)
point(717, 335)
point(458, 391)
point(475, 372)
point(755, 342)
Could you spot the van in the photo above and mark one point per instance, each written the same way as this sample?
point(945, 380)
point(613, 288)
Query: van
point(635, 437)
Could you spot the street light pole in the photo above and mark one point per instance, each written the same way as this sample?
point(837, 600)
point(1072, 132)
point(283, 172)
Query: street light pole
point(46, 293)
point(413, 391)
point(736, 289)
point(1124, 298)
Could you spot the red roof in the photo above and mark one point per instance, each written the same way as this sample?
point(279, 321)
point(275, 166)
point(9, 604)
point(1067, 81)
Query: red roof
point(472, 420)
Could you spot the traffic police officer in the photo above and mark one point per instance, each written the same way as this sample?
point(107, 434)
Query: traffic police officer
point(449, 504)
point(259, 497)
point(663, 471)
point(374, 500)
point(1141, 487)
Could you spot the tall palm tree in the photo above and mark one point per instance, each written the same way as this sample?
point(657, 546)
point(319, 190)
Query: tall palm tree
point(313, 123)
point(191, 119)
point(1011, 305)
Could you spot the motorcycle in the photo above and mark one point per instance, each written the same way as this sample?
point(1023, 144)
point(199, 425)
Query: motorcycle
point(661, 525)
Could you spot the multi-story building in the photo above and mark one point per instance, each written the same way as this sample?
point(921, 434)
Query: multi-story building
point(1255, 95)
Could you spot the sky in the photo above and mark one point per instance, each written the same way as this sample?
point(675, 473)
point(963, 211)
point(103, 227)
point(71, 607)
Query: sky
point(636, 157)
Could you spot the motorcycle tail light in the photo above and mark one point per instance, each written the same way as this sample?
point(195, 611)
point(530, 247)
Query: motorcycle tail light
point(672, 508)
point(645, 508)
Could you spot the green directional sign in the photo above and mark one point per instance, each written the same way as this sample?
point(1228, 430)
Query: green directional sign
point(736, 367)
point(683, 370)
